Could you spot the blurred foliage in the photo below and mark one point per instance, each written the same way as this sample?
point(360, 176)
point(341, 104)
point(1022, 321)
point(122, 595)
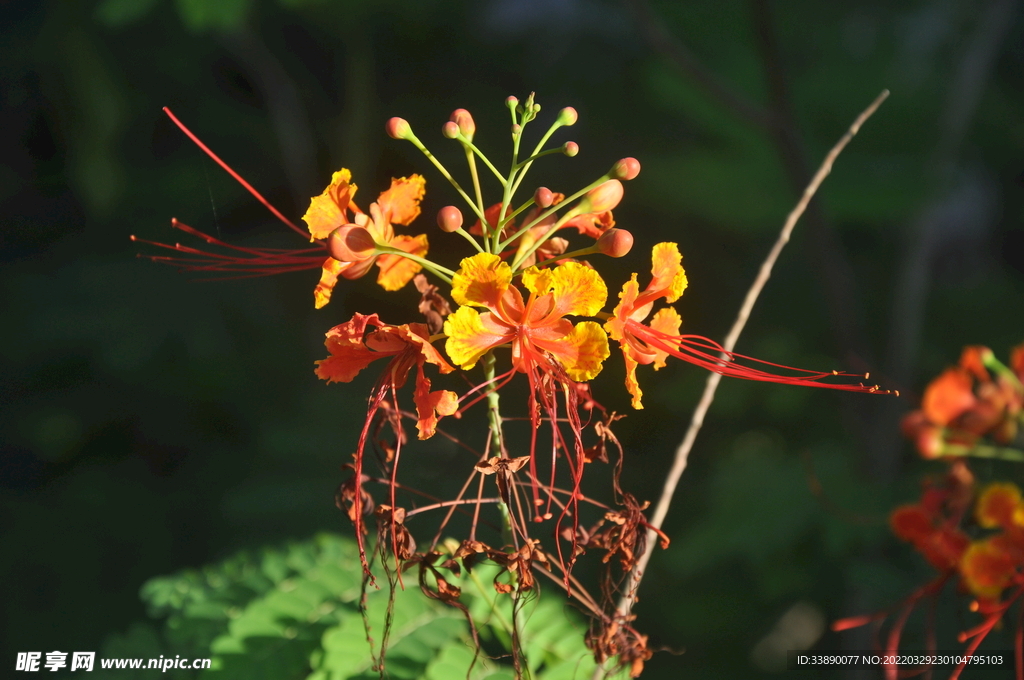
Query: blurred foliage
point(151, 423)
point(294, 612)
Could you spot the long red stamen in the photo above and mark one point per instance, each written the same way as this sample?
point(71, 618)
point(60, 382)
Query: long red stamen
point(255, 262)
point(238, 178)
point(706, 353)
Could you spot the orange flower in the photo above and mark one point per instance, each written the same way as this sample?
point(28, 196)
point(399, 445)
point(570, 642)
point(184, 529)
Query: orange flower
point(352, 349)
point(333, 212)
point(987, 567)
point(948, 396)
point(937, 540)
point(668, 280)
point(655, 341)
point(552, 352)
point(536, 327)
point(997, 505)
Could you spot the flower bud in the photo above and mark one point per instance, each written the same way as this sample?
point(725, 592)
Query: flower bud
point(543, 197)
point(398, 128)
point(567, 116)
point(512, 102)
point(350, 243)
point(450, 130)
point(601, 198)
point(516, 129)
point(449, 218)
point(570, 149)
point(615, 242)
point(464, 120)
point(626, 169)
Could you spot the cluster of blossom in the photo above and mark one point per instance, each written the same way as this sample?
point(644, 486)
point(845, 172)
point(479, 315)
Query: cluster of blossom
point(526, 302)
point(973, 538)
point(971, 409)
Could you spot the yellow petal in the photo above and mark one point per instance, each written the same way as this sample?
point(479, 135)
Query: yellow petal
point(997, 504)
point(666, 321)
point(328, 278)
point(481, 280)
point(576, 288)
point(631, 382)
point(395, 270)
point(327, 211)
point(667, 271)
point(627, 296)
point(468, 340)
point(401, 202)
point(591, 344)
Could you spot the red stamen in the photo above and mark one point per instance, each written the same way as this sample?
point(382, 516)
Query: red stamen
point(238, 178)
point(258, 261)
point(706, 353)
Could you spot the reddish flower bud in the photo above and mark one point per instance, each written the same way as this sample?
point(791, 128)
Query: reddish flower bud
point(512, 102)
point(570, 149)
point(543, 197)
point(398, 128)
point(350, 243)
point(568, 116)
point(516, 128)
point(615, 242)
point(464, 120)
point(450, 130)
point(626, 169)
point(602, 198)
point(449, 218)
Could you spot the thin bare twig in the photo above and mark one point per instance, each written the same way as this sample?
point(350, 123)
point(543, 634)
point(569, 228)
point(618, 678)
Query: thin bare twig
point(683, 452)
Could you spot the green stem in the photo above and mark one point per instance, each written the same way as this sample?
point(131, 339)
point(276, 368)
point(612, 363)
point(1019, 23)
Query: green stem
point(986, 451)
point(471, 148)
point(574, 253)
point(537, 154)
point(497, 446)
point(469, 237)
point(471, 162)
point(522, 230)
point(437, 270)
point(508, 191)
point(447, 175)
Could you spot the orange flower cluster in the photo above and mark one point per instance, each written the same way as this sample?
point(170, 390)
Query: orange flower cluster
point(976, 540)
point(526, 304)
point(993, 563)
point(973, 408)
point(933, 524)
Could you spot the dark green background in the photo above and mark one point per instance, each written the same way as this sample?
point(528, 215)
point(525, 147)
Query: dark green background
point(151, 422)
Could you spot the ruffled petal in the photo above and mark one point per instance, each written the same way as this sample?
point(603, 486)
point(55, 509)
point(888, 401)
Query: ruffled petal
point(668, 278)
point(349, 355)
point(430, 406)
point(997, 504)
point(481, 280)
point(327, 211)
point(986, 568)
point(616, 325)
point(328, 278)
point(401, 202)
point(948, 396)
point(575, 288)
point(632, 385)
point(592, 224)
point(395, 270)
point(418, 335)
point(468, 339)
point(591, 348)
point(667, 321)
